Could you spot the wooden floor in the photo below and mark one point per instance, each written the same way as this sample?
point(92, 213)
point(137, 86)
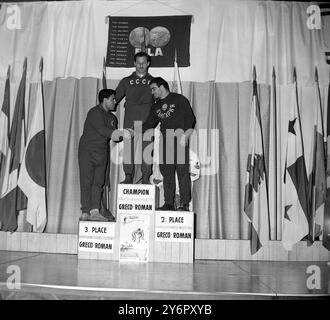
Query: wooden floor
point(63, 276)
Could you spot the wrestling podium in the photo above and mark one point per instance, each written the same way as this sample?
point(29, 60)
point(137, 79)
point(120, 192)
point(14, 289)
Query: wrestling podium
point(140, 233)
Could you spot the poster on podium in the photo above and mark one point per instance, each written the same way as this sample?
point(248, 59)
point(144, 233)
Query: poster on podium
point(134, 237)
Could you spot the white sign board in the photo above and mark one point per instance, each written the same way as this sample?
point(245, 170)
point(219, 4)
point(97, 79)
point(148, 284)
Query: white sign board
point(135, 198)
point(95, 245)
point(134, 237)
point(96, 236)
point(174, 226)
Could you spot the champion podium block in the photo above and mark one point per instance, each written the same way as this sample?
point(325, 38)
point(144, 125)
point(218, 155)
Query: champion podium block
point(140, 233)
point(135, 208)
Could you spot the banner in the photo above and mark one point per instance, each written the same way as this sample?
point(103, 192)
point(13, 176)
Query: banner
point(296, 217)
point(256, 193)
point(11, 197)
point(32, 176)
point(326, 221)
point(317, 179)
point(157, 36)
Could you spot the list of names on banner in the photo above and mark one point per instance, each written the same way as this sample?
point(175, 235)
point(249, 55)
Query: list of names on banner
point(118, 49)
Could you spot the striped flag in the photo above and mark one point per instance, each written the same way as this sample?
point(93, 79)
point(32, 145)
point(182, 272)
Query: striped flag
point(296, 211)
point(32, 176)
point(11, 197)
point(4, 125)
point(4, 132)
point(326, 220)
point(317, 180)
point(256, 198)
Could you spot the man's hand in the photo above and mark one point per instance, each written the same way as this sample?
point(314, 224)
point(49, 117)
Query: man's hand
point(131, 132)
point(184, 140)
point(117, 135)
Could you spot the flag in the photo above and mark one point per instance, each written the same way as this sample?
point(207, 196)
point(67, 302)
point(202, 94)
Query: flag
point(326, 219)
point(295, 222)
point(317, 180)
point(32, 176)
point(256, 198)
point(11, 198)
point(4, 125)
point(4, 132)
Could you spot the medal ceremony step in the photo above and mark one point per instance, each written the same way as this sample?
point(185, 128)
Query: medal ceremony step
point(140, 233)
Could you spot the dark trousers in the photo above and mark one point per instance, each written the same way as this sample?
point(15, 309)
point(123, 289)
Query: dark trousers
point(129, 154)
point(175, 159)
point(92, 168)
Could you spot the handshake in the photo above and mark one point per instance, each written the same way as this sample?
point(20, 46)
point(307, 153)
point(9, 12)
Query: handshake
point(119, 134)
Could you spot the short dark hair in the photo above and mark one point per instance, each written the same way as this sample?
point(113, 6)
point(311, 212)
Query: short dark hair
point(142, 54)
point(160, 82)
point(105, 94)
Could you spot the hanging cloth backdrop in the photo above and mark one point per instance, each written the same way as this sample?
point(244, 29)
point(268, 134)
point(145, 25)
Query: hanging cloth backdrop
point(227, 39)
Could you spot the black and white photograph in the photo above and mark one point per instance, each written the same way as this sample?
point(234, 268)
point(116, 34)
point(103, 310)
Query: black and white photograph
point(164, 155)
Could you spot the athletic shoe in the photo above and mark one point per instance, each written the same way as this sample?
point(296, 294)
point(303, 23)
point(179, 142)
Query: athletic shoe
point(184, 207)
point(166, 207)
point(84, 216)
point(97, 216)
point(128, 179)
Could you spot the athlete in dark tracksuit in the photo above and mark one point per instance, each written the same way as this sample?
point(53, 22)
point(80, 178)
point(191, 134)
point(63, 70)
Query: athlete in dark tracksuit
point(173, 111)
point(137, 107)
point(93, 154)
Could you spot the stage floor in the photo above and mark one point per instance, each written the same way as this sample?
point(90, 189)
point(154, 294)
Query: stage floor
point(63, 276)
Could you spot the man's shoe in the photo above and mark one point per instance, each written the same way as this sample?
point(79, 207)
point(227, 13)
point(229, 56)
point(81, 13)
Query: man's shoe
point(128, 179)
point(146, 179)
point(84, 216)
point(184, 207)
point(166, 207)
point(97, 216)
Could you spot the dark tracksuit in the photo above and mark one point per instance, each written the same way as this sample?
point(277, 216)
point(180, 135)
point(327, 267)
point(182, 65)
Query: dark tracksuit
point(137, 107)
point(93, 155)
point(173, 112)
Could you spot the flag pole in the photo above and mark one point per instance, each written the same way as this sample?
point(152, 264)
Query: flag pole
point(321, 112)
point(308, 214)
point(262, 142)
point(24, 113)
point(41, 70)
point(299, 117)
point(326, 215)
point(104, 75)
point(8, 77)
point(275, 151)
